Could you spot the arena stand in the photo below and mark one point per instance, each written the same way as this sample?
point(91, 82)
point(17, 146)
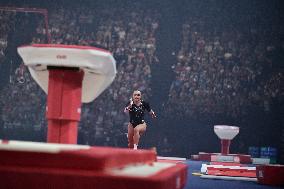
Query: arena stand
point(220, 72)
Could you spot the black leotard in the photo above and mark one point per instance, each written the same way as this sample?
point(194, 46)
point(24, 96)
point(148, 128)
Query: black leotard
point(136, 113)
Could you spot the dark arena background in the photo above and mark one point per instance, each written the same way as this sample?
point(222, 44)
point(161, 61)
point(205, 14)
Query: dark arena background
point(198, 63)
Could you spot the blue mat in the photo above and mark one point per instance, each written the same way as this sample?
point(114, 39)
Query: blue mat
point(195, 182)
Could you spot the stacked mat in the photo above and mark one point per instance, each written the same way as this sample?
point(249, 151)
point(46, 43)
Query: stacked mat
point(40, 165)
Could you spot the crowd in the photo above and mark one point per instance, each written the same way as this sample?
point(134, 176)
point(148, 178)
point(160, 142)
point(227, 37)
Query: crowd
point(130, 36)
point(22, 102)
point(224, 68)
point(6, 19)
point(3, 28)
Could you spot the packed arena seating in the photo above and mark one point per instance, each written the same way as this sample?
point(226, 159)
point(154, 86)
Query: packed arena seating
point(7, 22)
point(223, 68)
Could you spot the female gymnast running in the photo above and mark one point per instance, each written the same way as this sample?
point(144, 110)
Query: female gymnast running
point(137, 126)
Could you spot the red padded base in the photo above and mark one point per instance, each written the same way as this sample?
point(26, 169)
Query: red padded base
point(231, 172)
point(94, 158)
point(96, 167)
point(270, 174)
point(239, 158)
point(33, 178)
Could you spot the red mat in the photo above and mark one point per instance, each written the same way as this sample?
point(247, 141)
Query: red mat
point(95, 158)
point(96, 167)
point(270, 174)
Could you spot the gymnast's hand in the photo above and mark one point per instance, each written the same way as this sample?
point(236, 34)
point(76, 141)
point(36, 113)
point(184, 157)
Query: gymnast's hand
point(153, 115)
point(128, 108)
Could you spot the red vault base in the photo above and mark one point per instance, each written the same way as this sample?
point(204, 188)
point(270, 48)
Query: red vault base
point(63, 105)
point(270, 174)
point(86, 167)
point(238, 158)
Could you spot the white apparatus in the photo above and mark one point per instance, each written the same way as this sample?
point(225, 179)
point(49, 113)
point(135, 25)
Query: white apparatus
point(226, 134)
